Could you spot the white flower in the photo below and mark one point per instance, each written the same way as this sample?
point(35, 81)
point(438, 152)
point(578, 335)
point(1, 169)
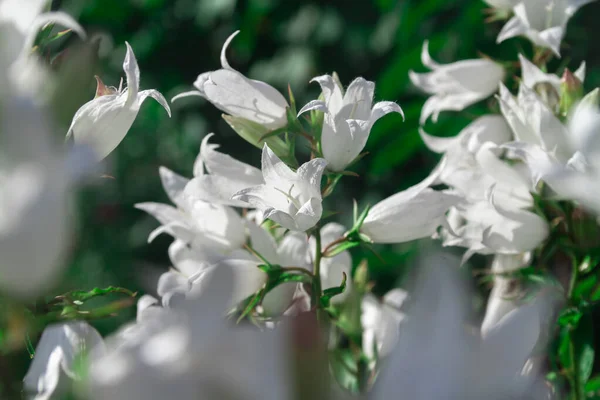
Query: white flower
point(192, 352)
point(579, 178)
point(292, 199)
point(381, 322)
point(195, 222)
point(35, 218)
point(531, 75)
point(414, 213)
point(236, 95)
point(20, 22)
point(435, 342)
point(53, 368)
point(226, 176)
point(455, 86)
point(542, 21)
point(348, 118)
point(534, 123)
point(103, 122)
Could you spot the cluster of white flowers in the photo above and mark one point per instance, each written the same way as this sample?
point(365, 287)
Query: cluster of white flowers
point(261, 289)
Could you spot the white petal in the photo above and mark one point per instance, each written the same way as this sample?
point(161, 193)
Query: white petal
point(316, 105)
point(156, 95)
point(426, 58)
point(360, 95)
point(383, 108)
point(239, 96)
point(132, 72)
point(332, 92)
point(173, 184)
point(224, 62)
point(224, 165)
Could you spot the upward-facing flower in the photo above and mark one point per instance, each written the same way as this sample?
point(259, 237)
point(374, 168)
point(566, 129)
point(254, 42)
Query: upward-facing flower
point(541, 21)
point(103, 122)
point(238, 96)
point(292, 199)
point(455, 86)
point(348, 118)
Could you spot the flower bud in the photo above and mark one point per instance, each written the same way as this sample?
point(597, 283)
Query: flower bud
point(571, 91)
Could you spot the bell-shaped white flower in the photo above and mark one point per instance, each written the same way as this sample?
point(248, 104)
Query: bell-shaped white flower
point(238, 96)
point(53, 369)
point(195, 221)
point(348, 119)
point(543, 22)
point(532, 75)
point(226, 176)
point(292, 199)
point(381, 321)
point(455, 86)
point(103, 122)
point(533, 122)
point(414, 213)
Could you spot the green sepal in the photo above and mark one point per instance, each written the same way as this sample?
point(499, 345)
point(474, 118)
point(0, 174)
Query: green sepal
point(334, 291)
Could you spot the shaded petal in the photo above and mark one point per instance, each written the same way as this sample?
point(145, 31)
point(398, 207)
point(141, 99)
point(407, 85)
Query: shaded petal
point(332, 92)
point(316, 105)
point(239, 96)
point(224, 62)
point(132, 72)
point(360, 95)
point(173, 184)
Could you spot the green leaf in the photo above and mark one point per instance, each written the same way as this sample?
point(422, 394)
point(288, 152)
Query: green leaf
point(583, 339)
point(334, 291)
point(570, 316)
point(593, 385)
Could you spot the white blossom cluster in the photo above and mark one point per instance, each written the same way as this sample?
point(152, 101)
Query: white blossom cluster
point(252, 256)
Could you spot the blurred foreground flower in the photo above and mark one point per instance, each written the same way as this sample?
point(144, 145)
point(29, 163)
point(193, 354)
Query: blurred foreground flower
point(103, 122)
point(192, 352)
point(439, 357)
point(60, 358)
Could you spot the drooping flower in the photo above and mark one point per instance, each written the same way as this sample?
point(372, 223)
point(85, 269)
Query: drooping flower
point(457, 85)
point(543, 22)
point(103, 122)
point(414, 213)
point(238, 96)
point(292, 199)
point(54, 366)
point(348, 119)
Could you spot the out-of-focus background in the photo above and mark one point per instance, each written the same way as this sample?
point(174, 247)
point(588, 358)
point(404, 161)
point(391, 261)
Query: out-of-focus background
point(281, 42)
